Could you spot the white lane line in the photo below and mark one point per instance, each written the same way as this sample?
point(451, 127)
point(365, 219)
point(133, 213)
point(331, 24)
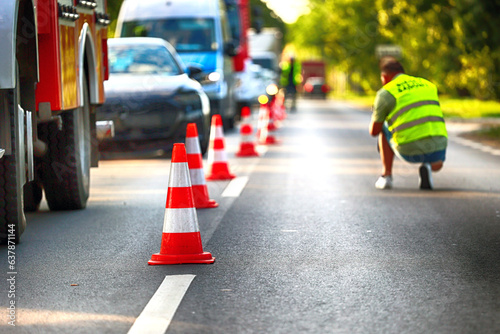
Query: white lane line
point(477, 146)
point(159, 312)
point(235, 187)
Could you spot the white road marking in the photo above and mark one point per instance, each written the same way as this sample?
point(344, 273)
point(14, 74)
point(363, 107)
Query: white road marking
point(477, 146)
point(159, 312)
point(235, 187)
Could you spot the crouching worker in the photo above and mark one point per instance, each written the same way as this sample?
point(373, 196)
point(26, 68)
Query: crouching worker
point(409, 123)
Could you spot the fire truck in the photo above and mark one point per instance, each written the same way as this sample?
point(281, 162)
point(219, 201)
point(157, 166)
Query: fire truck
point(53, 62)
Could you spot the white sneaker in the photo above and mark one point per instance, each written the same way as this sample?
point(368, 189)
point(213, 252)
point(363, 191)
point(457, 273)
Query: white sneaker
point(384, 182)
point(425, 172)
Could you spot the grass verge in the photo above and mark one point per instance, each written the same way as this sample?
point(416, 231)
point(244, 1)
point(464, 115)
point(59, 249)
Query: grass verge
point(489, 135)
point(453, 109)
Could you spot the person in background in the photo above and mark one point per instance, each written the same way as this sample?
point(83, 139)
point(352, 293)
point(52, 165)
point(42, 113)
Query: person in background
point(291, 76)
point(409, 123)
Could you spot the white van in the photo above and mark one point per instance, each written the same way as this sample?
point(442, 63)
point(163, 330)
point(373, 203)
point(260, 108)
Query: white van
point(199, 31)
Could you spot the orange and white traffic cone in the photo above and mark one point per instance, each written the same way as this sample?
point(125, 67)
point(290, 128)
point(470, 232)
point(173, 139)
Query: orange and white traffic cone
point(279, 104)
point(271, 126)
point(181, 240)
point(218, 167)
point(245, 114)
point(263, 134)
point(247, 145)
point(195, 164)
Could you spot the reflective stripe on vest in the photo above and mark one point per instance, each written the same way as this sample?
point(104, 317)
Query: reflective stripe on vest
point(417, 113)
point(418, 122)
point(411, 106)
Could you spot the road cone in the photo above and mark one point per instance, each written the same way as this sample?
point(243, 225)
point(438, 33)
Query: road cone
point(181, 240)
point(279, 104)
point(247, 145)
point(245, 114)
point(218, 167)
point(195, 164)
point(271, 125)
point(263, 134)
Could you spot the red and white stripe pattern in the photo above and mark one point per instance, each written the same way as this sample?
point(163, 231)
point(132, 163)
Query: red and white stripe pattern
point(263, 134)
point(196, 172)
point(247, 145)
point(218, 166)
point(181, 239)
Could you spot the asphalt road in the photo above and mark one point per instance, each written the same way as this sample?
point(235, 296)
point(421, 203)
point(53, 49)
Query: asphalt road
point(308, 246)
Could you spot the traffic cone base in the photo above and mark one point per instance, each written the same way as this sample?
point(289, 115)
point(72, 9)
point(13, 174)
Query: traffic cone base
point(202, 258)
point(270, 140)
point(178, 248)
point(247, 150)
point(201, 198)
point(219, 171)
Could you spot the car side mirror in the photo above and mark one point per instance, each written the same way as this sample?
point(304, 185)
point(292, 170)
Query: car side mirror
point(193, 71)
point(230, 49)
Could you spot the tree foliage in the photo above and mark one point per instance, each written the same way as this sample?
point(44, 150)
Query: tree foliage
point(266, 16)
point(455, 44)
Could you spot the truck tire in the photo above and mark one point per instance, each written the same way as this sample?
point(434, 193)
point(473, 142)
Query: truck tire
point(32, 196)
point(65, 169)
point(12, 167)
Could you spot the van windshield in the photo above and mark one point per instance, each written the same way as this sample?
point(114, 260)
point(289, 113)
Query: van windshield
point(185, 34)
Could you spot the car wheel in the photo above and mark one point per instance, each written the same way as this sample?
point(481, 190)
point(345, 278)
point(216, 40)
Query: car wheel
point(65, 170)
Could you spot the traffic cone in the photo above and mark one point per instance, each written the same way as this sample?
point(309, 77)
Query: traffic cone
point(181, 240)
point(280, 105)
point(263, 134)
point(245, 114)
point(271, 125)
point(195, 164)
point(218, 167)
point(247, 145)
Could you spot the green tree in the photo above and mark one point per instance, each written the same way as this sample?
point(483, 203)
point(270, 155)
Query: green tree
point(266, 17)
point(455, 44)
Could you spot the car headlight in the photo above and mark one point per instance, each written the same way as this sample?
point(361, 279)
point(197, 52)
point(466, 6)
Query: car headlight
point(188, 101)
point(272, 89)
point(210, 78)
point(263, 99)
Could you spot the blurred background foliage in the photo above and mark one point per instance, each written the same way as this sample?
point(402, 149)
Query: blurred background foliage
point(454, 43)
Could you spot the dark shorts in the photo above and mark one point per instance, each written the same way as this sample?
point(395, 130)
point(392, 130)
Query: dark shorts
point(418, 158)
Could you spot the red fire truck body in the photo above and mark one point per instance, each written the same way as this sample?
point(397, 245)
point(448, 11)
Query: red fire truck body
point(53, 64)
point(58, 46)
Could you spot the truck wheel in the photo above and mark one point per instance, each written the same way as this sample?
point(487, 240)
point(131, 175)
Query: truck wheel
point(12, 167)
point(32, 196)
point(65, 169)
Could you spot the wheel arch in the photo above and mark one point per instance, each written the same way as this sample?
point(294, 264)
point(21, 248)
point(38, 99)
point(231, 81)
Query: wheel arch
point(88, 61)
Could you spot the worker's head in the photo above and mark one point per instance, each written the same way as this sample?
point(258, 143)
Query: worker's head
point(389, 68)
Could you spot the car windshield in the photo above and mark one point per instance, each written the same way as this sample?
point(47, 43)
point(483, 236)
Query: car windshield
point(185, 35)
point(142, 59)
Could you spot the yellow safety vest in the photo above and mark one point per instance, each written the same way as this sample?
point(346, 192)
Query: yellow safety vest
point(417, 113)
